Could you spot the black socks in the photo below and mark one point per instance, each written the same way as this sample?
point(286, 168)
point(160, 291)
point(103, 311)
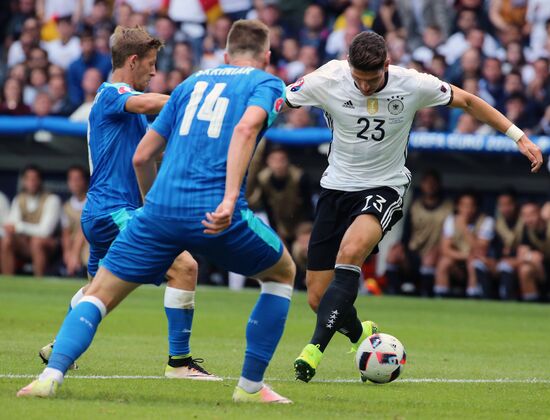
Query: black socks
point(336, 309)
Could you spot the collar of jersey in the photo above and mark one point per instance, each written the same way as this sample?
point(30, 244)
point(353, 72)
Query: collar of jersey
point(386, 77)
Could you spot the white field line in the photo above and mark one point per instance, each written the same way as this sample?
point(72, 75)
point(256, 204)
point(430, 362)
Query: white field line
point(409, 380)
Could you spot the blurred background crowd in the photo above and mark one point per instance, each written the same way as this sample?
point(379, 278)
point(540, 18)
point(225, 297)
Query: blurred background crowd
point(56, 55)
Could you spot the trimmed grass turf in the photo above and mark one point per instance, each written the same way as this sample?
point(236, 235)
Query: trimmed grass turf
point(444, 339)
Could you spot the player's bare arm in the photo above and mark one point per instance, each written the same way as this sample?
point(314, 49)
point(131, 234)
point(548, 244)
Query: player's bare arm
point(485, 113)
point(145, 160)
point(146, 103)
point(239, 154)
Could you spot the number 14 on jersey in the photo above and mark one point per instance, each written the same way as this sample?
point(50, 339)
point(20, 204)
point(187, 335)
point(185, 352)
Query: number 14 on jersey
point(213, 109)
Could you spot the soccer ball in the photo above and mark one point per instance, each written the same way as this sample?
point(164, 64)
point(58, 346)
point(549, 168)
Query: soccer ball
point(380, 358)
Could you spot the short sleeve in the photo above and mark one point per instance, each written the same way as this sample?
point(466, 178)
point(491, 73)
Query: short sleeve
point(432, 91)
point(165, 121)
point(113, 99)
point(307, 90)
point(487, 229)
point(268, 95)
point(449, 226)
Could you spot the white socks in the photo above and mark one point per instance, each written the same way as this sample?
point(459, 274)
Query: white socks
point(178, 298)
point(76, 298)
point(54, 374)
point(250, 386)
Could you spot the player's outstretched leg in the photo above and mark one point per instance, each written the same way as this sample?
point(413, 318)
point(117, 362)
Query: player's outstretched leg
point(78, 330)
point(46, 351)
point(336, 311)
point(264, 330)
point(179, 305)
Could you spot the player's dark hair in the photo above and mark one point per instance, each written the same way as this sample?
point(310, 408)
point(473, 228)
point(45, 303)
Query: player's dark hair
point(248, 37)
point(368, 52)
point(126, 42)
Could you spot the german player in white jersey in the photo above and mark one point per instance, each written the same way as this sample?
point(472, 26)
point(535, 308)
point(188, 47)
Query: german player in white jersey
point(369, 105)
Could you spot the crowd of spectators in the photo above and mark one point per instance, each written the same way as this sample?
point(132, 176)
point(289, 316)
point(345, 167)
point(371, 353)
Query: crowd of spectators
point(56, 53)
point(454, 249)
point(41, 234)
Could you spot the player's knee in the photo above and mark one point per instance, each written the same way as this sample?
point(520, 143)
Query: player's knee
point(287, 272)
point(186, 266)
point(351, 253)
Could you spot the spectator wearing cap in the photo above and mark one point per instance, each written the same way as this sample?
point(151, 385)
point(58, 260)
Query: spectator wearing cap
point(89, 58)
point(66, 49)
point(30, 229)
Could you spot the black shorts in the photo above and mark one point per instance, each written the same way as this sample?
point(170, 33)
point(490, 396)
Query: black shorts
point(336, 211)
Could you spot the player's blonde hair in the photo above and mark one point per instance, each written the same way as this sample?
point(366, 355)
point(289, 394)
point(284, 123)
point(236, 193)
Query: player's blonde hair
point(248, 37)
point(126, 42)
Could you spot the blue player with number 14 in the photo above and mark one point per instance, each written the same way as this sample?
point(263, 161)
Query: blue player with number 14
point(209, 129)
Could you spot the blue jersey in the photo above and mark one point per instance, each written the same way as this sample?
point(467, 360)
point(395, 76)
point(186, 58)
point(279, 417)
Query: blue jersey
point(113, 135)
point(197, 123)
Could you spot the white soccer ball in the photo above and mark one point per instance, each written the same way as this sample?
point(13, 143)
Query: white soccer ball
point(380, 358)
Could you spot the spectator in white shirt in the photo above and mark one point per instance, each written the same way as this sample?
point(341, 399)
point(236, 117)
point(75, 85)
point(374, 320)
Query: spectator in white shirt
point(66, 49)
point(31, 225)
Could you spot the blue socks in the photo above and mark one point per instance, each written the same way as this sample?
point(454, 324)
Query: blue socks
point(76, 333)
point(179, 306)
point(263, 332)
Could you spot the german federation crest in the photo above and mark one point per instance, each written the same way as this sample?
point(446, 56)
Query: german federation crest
point(395, 105)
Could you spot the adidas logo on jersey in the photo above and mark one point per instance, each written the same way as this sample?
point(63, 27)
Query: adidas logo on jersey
point(348, 104)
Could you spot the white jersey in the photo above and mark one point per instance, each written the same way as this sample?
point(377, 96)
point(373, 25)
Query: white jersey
point(370, 134)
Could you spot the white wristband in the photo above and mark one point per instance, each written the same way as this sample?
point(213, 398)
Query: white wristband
point(514, 132)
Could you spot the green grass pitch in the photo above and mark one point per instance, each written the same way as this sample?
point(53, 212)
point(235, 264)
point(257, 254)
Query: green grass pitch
point(498, 353)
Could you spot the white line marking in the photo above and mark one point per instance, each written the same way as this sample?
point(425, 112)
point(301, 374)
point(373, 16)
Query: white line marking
point(409, 380)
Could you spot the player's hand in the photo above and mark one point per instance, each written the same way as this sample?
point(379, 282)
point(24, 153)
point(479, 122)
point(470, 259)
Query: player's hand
point(532, 152)
point(220, 219)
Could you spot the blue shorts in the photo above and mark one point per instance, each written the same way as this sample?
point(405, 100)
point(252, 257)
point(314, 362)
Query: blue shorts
point(144, 251)
point(100, 232)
